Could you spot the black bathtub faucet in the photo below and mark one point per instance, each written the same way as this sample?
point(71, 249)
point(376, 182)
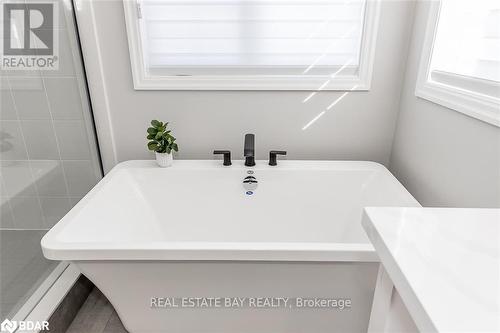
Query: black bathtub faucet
point(249, 150)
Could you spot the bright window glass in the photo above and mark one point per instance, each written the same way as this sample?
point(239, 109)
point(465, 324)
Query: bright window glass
point(467, 45)
point(251, 37)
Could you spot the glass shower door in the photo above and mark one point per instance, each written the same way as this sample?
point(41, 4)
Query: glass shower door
point(48, 161)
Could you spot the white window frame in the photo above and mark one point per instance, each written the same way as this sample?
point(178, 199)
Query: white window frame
point(361, 81)
point(479, 106)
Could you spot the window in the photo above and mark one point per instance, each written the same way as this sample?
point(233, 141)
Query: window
point(251, 44)
point(460, 66)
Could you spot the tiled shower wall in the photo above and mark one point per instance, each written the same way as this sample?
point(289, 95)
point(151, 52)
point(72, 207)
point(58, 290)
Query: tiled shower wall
point(48, 155)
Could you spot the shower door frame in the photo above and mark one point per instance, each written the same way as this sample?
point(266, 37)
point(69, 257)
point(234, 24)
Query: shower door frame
point(46, 297)
point(33, 306)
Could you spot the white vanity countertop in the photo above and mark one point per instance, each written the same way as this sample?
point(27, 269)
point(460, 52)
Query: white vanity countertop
point(444, 262)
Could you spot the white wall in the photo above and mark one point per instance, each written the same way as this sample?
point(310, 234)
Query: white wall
point(443, 157)
point(361, 126)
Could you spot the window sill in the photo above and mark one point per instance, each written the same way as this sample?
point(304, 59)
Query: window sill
point(349, 83)
point(482, 107)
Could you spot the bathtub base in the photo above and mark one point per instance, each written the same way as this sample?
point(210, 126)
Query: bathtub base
point(130, 286)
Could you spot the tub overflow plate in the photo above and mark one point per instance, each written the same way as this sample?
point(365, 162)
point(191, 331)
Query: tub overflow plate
point(250, 184)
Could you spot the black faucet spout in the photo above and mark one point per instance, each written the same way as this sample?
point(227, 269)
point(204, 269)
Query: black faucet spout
point(249, 150)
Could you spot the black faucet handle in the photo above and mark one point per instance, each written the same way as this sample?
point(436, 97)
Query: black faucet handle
point(273, 154)
point(226, 154)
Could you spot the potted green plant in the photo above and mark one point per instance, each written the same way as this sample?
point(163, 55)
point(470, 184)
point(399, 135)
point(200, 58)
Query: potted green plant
point(162, 143)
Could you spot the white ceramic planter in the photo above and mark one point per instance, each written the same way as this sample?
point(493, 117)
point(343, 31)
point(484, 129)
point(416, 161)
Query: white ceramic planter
point(164, 160)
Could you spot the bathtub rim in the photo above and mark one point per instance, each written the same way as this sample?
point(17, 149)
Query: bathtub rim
point(211, 251)
point(54, 249)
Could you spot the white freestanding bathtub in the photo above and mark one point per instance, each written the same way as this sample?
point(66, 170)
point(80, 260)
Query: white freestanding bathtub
point(189, 249)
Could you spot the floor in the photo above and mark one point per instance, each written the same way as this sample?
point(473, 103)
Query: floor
point(96, 316)
point(22, 268)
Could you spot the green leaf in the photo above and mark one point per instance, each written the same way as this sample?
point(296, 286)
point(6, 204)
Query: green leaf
point(152, 130)
point(150, 137)
point(158, 135)
point(152, 145)
point(155, 123)
point(175, 147)
point(168, 150)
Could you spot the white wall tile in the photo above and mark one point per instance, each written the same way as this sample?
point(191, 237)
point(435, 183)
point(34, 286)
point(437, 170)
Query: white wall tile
point(11, 141)
point(6, 217)
point(30, 98)
point(80, 177)
point(54, 209)
point(17, 178)
point(64, 98)
point(63, 11)
point(74, 200)
point(18, 73)
point(40, 139)
point(3, 191)
point(7, 108)
point(66, 61)
point(4, 83)
point(73, 141)
point(27, 212)
point(49, 178)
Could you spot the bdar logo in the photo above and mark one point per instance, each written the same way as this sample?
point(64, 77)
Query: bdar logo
point(8, 326)
point(11, 325)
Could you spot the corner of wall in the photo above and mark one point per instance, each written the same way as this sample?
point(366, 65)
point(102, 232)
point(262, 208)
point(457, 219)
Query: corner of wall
point(403, 82)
